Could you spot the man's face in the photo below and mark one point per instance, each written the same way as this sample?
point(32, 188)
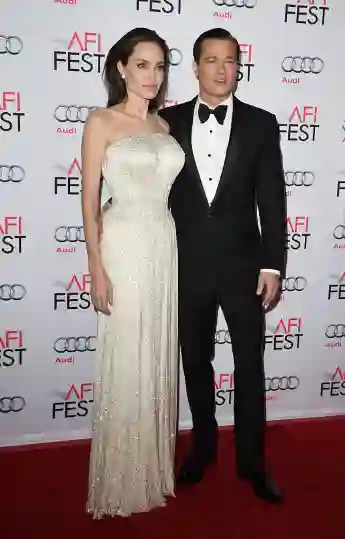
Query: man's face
point(217, 68)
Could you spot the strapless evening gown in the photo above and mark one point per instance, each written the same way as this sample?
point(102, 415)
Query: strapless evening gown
point(135, 393)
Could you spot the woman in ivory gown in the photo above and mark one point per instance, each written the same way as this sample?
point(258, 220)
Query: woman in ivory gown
point(133, 270)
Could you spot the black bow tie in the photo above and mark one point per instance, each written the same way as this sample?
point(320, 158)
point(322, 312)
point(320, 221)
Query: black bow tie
point(219, 112)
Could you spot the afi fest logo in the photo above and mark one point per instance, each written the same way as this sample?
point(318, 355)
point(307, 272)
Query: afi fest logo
point(287, 335)
point(341, 183)
point(337, 290)
point(67, 347)
point(69, 181)
point(70, 116)
point(335, 386)
point(224, 388)
point(302, 124)
point(297, 179)
point(335, 334)
point(76, 295)
point(75, 403)
point(83, 55)
point(12, 235)
point(224, 384)
point(225, 8)
point(246, 64)
point(297, 235)
point(12, 347)
point(11, 113)
point(168, 7)
point(295, 67)
point(309, 12)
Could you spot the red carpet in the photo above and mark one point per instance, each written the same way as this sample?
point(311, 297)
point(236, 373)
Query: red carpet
point(43, 493)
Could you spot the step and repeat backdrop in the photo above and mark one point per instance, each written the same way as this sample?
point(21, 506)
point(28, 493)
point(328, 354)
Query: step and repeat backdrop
point(52, 54)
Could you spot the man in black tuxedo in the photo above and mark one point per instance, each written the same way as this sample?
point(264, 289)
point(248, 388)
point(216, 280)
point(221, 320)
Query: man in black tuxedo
point(233, 168)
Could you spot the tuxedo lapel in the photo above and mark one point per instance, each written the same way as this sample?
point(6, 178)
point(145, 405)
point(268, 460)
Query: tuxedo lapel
point(185, 140)
point(235, 144)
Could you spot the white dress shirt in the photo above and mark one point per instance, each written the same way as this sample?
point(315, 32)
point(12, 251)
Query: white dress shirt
point(209, 143)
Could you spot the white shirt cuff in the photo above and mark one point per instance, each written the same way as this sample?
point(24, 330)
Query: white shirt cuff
point(271, 271)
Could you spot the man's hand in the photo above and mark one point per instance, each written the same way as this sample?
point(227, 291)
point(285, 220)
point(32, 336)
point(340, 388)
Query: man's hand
point(268, 287)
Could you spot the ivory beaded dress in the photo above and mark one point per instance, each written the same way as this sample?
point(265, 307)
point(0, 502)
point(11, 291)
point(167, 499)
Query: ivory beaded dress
point(135, 397)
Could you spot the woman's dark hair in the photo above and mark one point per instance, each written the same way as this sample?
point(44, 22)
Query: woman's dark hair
point(215, 33)
point(120, 52)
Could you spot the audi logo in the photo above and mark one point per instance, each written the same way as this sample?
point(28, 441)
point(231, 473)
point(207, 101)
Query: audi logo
point(283, 383)
point(69, 233)
point(11, 173)
point(10, 292)
point(72, 113)
point(299, 64)
point(222, 337)
point(339, 232)
point(10, 45)
point(299, 178)
point(335, 331)
point(294, 284)
point(175, 57)
point(11, 404)
point(236, 3)
point(75, 344)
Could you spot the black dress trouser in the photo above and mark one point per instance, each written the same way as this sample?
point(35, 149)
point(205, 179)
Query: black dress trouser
point(243, 314)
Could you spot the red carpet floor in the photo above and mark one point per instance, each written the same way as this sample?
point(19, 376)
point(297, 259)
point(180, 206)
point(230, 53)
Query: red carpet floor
point(43, 493)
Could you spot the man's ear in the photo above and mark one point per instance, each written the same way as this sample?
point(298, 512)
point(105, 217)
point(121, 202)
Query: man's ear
point(195, 69)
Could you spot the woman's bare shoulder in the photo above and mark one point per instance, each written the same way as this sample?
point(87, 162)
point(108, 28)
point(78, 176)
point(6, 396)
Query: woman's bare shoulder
point(101, 114)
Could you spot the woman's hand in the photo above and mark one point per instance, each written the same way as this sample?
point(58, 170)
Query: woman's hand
point(101, 291)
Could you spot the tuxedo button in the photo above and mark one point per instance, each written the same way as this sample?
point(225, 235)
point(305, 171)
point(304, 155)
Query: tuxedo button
point(210, 179)
point(209, 155)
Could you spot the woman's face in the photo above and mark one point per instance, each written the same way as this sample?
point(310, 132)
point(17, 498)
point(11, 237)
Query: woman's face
point(144, 72)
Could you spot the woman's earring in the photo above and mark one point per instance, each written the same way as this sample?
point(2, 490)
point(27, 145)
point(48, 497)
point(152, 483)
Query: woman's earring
point(123, 76)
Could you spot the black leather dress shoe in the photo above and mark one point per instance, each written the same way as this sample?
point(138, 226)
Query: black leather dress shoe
point(263, 486)
point(193, 469)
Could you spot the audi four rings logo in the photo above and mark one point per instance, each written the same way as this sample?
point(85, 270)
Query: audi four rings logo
point(69, 233)
point(299, 64)
point(335, 331)
point(10, 292)
point(75, 344)
point(175, 57)
point(11, 404)
point(236, 3)
point(10, 45)
point(72, 113)
point(339, 232)
point(296, 284)
point(11, 173)
point(222, 337)
point(283, 383)
point(299, 178)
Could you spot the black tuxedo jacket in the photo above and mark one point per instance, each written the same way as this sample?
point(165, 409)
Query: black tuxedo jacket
point(222, 243)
